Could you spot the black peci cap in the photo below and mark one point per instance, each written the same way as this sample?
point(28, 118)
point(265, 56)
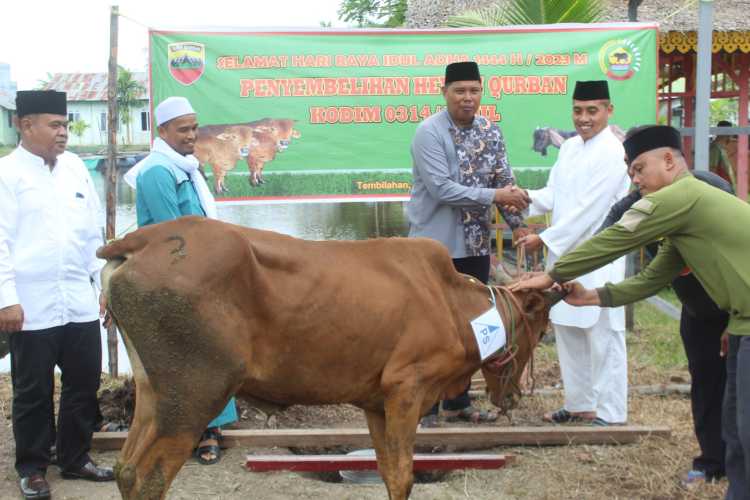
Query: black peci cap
point(462, 71)
point(649, 138)
point(592, 90)
point(32, 102)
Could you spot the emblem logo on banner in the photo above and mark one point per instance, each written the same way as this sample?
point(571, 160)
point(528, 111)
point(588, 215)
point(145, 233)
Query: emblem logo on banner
point(619, 59)
point(489, 331)
point(186, 61)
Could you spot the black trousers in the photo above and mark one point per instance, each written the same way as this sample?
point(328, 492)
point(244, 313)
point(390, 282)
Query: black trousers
point(479, 267)
point(76, 349)
point(701, 337)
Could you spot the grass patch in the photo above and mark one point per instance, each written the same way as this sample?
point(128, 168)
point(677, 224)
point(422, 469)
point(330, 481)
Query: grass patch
point(668, 294)
point(655, 350)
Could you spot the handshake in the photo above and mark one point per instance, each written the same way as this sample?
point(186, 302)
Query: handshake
point(512, 198)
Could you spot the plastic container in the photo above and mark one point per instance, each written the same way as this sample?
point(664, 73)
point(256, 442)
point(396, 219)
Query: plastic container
point(361, 476)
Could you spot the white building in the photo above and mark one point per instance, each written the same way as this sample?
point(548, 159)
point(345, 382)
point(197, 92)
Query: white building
point(87, 101)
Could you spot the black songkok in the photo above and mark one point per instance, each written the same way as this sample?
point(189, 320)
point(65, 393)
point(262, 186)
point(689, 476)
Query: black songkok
point(649, 138)
point(462, 71)
point(32, 102)
point(592, 90)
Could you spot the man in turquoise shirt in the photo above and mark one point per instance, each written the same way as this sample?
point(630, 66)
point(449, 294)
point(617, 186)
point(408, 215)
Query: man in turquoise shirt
point(702, 229)
point(169, 185)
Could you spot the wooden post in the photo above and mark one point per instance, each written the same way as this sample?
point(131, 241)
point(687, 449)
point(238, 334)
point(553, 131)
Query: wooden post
point(111, 175)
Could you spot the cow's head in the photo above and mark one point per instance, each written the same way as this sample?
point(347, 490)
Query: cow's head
point(541, 140)
point(524, 329)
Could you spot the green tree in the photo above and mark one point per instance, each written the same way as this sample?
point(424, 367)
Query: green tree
point(129, 92)
point(723, 109)
point(374, 13)
point(531, 12)
point(42, 83)
point(78, 128)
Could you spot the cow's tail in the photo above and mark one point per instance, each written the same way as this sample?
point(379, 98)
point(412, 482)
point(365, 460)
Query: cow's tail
point(107, 271)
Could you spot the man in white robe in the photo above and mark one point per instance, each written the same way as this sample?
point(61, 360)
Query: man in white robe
point(589, 176)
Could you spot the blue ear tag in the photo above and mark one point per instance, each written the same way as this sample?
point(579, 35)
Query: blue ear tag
point(489, 330)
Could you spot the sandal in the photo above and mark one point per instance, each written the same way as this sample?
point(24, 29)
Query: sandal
point(563, 416)
point(471, 414)
point(209, 454)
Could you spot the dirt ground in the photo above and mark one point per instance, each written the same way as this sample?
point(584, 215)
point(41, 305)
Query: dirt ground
point(650, 469)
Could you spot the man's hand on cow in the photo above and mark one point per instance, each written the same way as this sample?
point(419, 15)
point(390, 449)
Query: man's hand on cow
point(540, 281)
point(520, 232)
point(578, 295)
point(512, 196)
point(531, 242)
point(11, 319)
point(103, 312)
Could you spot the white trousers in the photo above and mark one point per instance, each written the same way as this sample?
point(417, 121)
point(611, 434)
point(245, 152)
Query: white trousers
point(594, 367)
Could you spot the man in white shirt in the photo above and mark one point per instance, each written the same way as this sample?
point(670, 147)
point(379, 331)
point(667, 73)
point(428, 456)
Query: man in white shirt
point(50, 227)
point(589, 176)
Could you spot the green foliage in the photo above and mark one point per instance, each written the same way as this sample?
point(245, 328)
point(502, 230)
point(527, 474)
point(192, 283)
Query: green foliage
point(723, 109)
point(490, 16)
point(78, 128)
point(129, 91)
point(42, 83)
point(531, 12)
point(374, 13)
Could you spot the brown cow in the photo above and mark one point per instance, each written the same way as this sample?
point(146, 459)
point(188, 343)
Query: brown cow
point(260, 140)
point(208, 310)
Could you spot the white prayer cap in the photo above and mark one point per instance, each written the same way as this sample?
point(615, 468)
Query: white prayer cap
point(171, 108)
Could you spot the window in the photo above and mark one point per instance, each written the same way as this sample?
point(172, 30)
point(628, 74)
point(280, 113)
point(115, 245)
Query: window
point(74, 117)
point(10, 119)
point(103, 122)
point(145, 121)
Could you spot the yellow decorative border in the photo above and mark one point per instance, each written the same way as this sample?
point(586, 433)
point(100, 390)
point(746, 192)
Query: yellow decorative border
point(687, 41)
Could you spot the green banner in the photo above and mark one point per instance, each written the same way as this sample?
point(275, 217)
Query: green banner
point(330, 114)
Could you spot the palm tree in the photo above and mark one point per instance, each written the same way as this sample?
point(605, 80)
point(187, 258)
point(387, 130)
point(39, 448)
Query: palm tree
point(129, 91)
point(43, 83)
point(374, 13)
point(78, 128)
point(530, 12)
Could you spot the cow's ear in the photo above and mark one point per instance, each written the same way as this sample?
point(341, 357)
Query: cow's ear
point(534, 302)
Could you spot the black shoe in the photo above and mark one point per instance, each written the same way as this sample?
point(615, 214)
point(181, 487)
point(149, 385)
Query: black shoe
point(34, 486)
point(90, 472)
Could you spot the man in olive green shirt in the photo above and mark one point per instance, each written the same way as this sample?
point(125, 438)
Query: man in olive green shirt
point(702, 229)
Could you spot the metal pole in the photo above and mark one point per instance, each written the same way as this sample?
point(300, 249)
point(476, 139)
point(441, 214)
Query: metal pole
point(111, 175)
point(742, 149)
point(703, 83)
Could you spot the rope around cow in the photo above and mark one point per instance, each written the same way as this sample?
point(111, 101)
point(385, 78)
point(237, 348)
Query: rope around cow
point(503, 364)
